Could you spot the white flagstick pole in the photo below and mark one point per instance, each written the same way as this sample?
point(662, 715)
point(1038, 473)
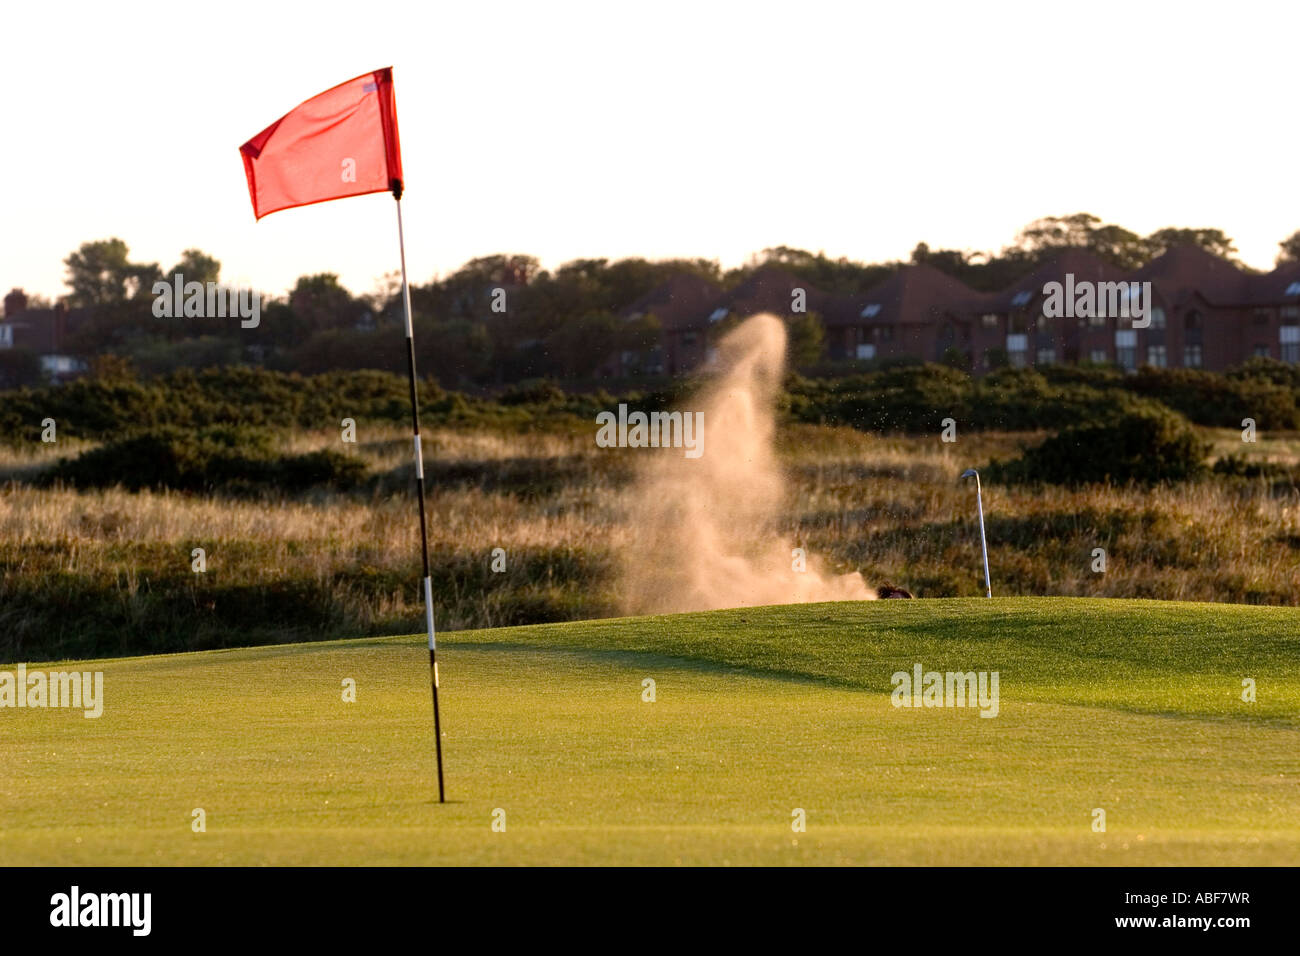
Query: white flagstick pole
point(984, 547)
point(419, 491)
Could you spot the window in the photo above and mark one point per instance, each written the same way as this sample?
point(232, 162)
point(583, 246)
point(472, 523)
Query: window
point(1289, 338)
point(688, 338)
point(1126, 348)
point(1044, 324)
point(867, 351)
point(1021, 298)
point(1290, 312)
point(718, 314)
point(1192, 320)
point(1157, 356)
point(1097, 356)
point(1046, 356)
point(1191, 356)
point(989, 320)
point(884, 333)
point(1157, 318)
point(871, 311)
point(1261, 351)
point(6, 336)
point(1018, 323)
point(1017, 350)
point(1096, 321)
point(1261, 317)
point(1293, 289)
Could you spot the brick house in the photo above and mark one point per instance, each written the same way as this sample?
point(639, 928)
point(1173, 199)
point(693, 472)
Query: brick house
point(688, 306)
point(43, 332)
point(918, 311)
point(1206, 313)
point(1274, 328)
point(682, 305)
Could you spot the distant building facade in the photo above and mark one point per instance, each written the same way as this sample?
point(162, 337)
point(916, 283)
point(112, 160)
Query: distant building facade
point(43, 332)
point(1205, 313)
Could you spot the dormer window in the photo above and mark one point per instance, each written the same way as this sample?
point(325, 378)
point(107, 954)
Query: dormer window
point(871, 311)
point(718, 314)
point(1293, 289)
point(1022, 298)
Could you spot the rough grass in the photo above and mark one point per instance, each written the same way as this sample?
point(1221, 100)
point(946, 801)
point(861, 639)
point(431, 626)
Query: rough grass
point(109, 572)
point(1131, 707)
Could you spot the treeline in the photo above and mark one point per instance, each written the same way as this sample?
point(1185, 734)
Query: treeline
point(907, 398)
point(503, 319)
point(113, 408)
point(915, 398)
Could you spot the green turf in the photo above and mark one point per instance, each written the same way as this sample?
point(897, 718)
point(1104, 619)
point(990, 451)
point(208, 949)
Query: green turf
point(1130, 706)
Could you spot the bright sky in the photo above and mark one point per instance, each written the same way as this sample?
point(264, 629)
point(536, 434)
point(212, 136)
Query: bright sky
point(659, 129)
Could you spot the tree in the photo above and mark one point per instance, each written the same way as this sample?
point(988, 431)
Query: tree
point(320, 302)
point(98, 273)
point(950, 261)
point(840, 275)
point(1212, 241)
point(197, 266)
point(110, 367)
point(1082, 230)
point(1058, 232)
point(806, 338)
point(1290, 248)
point(579, 346)
point(954, 357)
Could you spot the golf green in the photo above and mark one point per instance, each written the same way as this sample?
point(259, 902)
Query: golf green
point(761, 718)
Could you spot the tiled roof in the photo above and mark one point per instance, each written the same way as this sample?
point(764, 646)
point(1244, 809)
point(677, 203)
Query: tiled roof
point(915, 293)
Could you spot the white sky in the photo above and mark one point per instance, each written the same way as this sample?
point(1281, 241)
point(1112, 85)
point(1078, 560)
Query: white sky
point(657, 129)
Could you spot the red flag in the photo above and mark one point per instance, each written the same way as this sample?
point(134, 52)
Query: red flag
point(340, 143)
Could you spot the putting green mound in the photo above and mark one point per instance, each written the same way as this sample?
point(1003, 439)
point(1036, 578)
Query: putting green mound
point(761, 718)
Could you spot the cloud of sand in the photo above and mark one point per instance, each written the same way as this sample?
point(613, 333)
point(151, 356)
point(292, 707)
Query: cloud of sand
point(704, 533)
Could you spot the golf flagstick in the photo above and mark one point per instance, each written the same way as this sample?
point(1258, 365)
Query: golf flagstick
point(296, 162)
point(419, 492)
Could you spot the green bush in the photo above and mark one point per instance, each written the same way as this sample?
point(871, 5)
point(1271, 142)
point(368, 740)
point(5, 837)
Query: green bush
point(1217, 400)
point(1145, 446)
point(232, 459)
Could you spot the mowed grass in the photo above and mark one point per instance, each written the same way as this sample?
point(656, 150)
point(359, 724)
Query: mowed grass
point(1133, 707)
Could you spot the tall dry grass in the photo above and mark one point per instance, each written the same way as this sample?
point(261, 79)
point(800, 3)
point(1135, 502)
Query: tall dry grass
point(102, 572)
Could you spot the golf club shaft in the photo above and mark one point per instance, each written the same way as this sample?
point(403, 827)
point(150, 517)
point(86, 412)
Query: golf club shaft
point(984, 546)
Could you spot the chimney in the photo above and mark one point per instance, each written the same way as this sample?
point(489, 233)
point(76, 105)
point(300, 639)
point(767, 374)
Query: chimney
point(15, 302)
